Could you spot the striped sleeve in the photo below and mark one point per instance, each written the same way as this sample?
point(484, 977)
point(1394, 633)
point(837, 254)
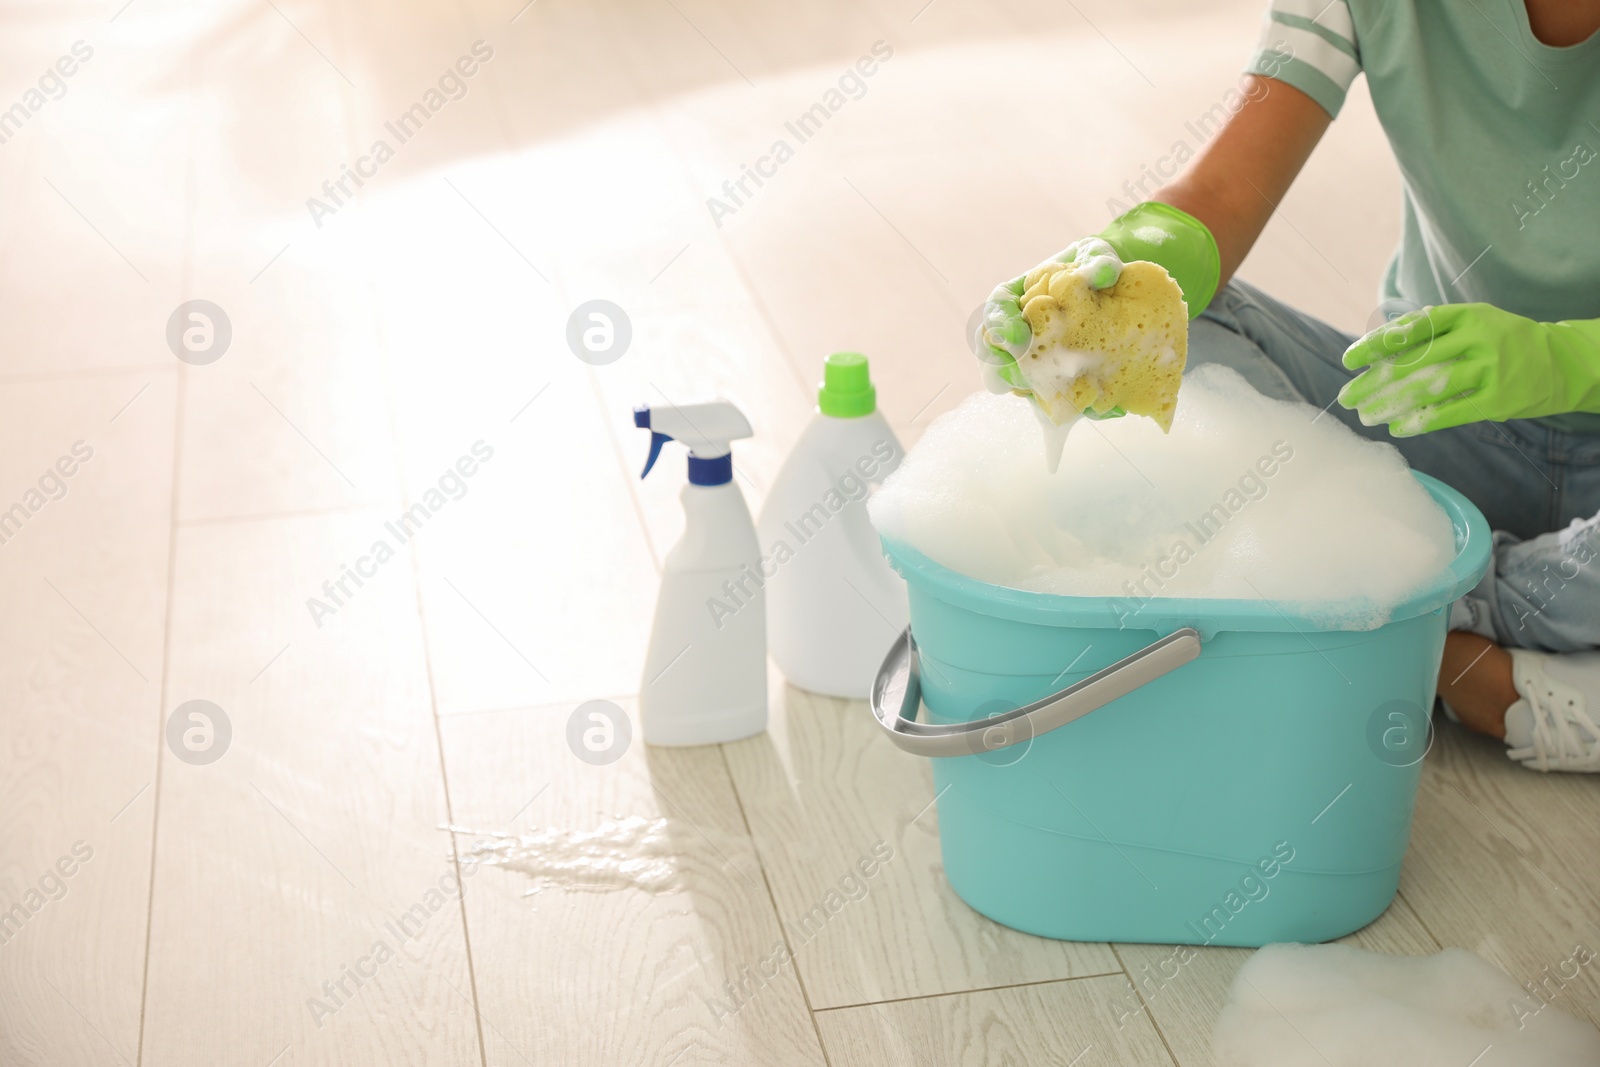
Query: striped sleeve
point(1311, 45)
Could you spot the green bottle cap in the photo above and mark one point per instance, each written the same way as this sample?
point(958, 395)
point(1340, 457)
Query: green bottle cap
point(846, 391)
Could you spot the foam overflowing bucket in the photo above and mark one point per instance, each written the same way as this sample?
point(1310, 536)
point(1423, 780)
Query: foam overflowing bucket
point(1232, 772)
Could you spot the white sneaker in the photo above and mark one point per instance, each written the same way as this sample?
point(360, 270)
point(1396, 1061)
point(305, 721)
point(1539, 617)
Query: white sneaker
point(1553, 726)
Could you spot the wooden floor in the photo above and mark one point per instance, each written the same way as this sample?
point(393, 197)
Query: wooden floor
point(215, 912)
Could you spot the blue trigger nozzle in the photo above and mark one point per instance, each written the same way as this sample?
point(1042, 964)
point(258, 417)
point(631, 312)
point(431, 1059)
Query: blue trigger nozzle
point(641, 419)
point(656, 441)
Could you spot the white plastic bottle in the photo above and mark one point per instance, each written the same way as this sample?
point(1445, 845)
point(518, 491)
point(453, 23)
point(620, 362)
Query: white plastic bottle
point(705, 675)
point(834, 606)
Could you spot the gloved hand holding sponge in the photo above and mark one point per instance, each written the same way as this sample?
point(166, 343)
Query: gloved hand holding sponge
point(1101, 329)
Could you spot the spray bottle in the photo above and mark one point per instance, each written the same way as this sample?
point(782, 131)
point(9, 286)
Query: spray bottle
point(705, 675)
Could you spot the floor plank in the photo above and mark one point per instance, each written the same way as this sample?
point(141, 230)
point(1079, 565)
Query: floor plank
point(1053, 1022)
point(696, 333)
point(532, 596)
point(292, 416)
point(824, 792)
point(286, 862)
point(1502, 862)
point(687, 968)
point(1182, 991)
point(85, 577)
point(94, 255)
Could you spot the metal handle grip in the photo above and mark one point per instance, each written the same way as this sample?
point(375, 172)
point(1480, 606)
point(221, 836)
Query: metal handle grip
point(1042, 716)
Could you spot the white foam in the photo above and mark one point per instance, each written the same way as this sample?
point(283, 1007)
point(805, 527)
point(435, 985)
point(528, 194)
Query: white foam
point(1338, 1006)
point(1247, 498)
point(628, 853)
point(1055, 437)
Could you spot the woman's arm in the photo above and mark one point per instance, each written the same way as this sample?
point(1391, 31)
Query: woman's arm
point(1199, 227)
point(1242, 173)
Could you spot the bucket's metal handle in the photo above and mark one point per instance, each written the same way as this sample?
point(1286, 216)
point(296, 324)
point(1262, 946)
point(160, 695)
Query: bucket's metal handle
point(901, 667)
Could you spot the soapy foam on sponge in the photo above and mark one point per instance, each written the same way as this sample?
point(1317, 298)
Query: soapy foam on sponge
point(1338, 1006)
point(1124, 345)
point(1247, 498)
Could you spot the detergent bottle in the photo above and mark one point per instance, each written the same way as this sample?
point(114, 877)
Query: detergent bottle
point(705, 675)
point(834, 606)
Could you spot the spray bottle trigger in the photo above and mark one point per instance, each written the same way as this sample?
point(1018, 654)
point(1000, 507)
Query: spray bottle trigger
point(641, 419)
point(656, 441)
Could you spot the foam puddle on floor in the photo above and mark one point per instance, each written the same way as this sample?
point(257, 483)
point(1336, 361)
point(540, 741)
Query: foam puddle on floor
point(1339, 1006)
point(627, 853)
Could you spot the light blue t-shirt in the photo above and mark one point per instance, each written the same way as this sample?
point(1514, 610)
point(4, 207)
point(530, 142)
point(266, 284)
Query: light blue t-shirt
point(1497, 136)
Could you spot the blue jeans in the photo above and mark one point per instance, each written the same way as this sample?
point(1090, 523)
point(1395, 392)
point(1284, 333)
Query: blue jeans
point(1539, 488)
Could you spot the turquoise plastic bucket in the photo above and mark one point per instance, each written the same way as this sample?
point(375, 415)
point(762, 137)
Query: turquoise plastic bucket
point(1261, 792)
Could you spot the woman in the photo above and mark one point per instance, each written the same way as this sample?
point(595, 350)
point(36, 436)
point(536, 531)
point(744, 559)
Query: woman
point(1492, 381)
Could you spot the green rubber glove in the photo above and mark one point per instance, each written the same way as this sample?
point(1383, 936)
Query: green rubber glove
point(1459, 363)
point(1003, 334)
point(1152, 231)
point(1177, 241)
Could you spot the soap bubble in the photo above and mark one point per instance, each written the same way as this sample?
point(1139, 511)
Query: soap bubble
point(1247, 498)
point(198, 732)
point(1315, 1005)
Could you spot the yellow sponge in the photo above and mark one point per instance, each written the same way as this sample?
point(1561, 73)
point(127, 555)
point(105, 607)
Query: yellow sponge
point(1124, 345)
